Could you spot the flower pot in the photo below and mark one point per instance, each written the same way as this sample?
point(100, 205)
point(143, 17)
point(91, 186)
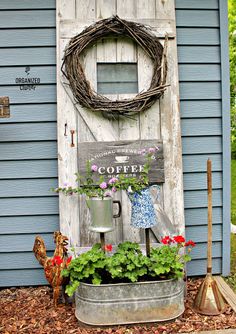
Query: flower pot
point(101, 212)
point(125, 303)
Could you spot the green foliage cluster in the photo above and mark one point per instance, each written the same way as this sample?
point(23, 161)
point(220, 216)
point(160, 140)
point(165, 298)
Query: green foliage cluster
point(126, 264)
point(232, 49)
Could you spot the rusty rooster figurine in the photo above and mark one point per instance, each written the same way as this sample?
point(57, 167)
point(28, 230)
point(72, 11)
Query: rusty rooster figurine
point(53, 265)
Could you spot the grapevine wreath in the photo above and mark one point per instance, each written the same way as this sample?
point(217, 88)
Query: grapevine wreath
point(80, 86)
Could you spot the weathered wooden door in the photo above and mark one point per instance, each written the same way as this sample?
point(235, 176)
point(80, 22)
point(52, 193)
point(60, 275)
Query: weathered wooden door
point(161, 121)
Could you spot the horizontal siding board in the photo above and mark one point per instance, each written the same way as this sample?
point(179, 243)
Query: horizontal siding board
point(197, 18)
point(22, 277)
point(27, 18)
point(42, 93)
point(197, 163)
point(198, 181)
point(199, 54)
point(198, 216)
point(198, 198)
point(29, 224)
point(199, 72)
point(11, 75)
point(25, 151)
point(197, 109)
point(198, 267)
point(27, 37)
point(200, 90)
point(116, 72)
point(23, 242)
point(200, 234)
point(198, 36)
point(27, 4)
point(28, 56)
point(201, 127)
point(28, 169)
point(20, 260)
point(28, 206)
point(195, 4)
point(28, 132)
point(200, 145)
point(32, 113)
point(27, 187)
point(200, 250)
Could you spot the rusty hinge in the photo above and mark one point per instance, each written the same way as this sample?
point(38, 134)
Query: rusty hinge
point(4, 107)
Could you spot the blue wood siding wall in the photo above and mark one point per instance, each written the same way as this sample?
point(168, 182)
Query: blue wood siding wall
point(28, 148)
point(28, 139)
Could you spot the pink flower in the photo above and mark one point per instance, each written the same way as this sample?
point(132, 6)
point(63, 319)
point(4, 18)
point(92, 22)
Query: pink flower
point(179, 239)
point(108, 193)
point(143, 151)
point(113, 189)
point(103, 185)
point(108, 248)
point(151, 150)
point(113, 180)
point(94, 168)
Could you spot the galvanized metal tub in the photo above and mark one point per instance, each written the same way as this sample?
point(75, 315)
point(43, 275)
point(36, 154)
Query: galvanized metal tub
point(114, 304)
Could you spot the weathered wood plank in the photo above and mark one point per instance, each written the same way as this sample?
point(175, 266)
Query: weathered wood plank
point(226, 291)
point(105, 8)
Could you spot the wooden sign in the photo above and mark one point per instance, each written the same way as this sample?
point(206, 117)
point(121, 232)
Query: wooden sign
point(4, 107)
point(123, 157)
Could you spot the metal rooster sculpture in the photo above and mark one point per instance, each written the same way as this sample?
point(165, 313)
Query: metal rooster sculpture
point(53, 266)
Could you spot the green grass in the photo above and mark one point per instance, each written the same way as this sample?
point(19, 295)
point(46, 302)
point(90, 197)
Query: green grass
point(231, 280)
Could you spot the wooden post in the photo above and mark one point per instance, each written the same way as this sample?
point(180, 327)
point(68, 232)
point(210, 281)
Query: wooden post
point(102, 239)
point(147, 240)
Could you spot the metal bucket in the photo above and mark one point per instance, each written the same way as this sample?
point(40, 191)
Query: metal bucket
point(101, 212)
point(114, 304)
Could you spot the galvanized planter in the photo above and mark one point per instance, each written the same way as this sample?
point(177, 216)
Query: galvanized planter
point(125, 303)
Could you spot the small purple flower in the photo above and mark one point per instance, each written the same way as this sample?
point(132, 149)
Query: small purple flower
point(113, 180)
point(157, 148)
point(103, 185)
point(143, 151)
point(108, 193)
point(94, 168)
point(151, 150)
point(65, 184)
point(113, 189)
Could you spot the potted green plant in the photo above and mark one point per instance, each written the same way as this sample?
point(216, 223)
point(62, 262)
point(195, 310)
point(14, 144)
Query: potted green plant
point(125, 286)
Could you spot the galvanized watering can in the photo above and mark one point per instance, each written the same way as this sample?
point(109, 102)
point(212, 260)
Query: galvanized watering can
point(101, 212)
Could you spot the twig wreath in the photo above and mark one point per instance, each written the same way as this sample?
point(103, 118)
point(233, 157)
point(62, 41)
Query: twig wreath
point(80, 86)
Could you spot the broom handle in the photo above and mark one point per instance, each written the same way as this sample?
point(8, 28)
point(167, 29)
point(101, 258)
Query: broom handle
point(209, 197)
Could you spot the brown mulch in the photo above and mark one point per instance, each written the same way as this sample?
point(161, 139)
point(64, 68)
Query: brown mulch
point(30, 310)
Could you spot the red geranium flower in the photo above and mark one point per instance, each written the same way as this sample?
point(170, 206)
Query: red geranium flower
point(57, 260)
point(179, 239)
point(190, 243)
point(68, 261)
point(166, 240)
point(108, 248)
